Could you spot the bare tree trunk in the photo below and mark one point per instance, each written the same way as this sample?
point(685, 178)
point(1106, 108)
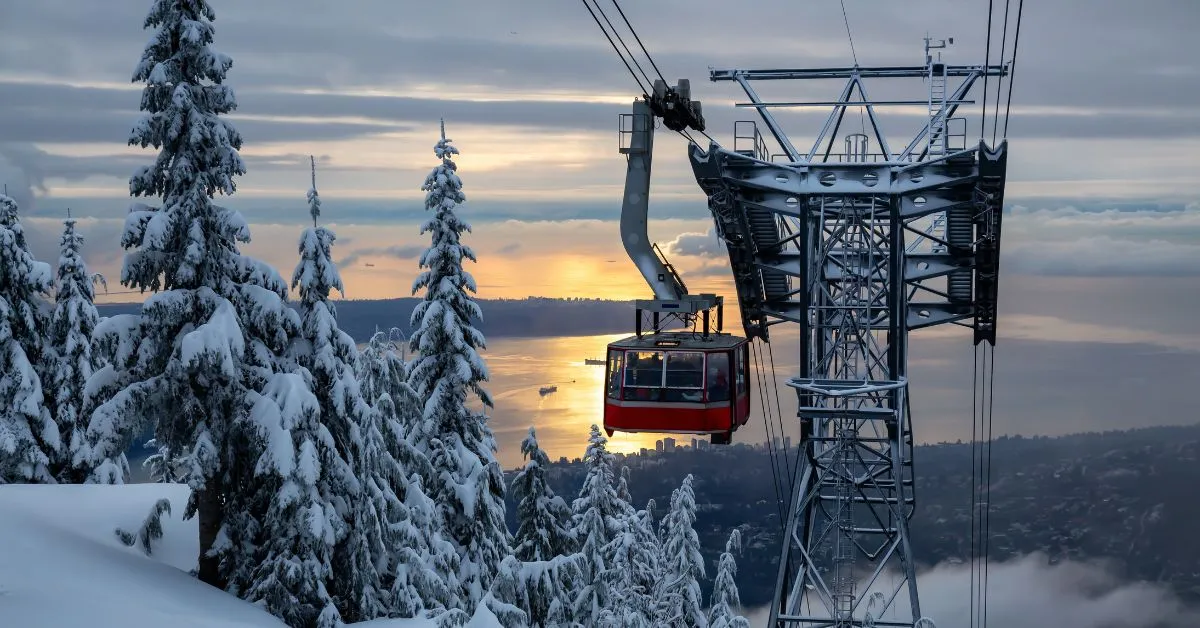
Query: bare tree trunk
point(208, 507)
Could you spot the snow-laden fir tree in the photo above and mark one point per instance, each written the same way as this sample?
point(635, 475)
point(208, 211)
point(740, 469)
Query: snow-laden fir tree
point(630, 605)
point(382, 371)
point(329, 354)
point(679, 598)
point(467, 483)
point(160, 466)
point(725, 598)
point(634, 569)
point(508, 595)
point(219, 325)
point(543, 537)
point(301, 525)
point(69, 360)
point(597, 519)
point(421, 571)
point(29, 439)
point(543, 518)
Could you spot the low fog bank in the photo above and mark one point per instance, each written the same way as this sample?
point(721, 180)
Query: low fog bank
point(1031, 593)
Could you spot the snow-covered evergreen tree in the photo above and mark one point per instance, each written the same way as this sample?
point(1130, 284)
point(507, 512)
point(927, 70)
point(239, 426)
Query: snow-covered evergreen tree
point(630, 604)
point(543, 538)
point(70, 359)
point(29, 438)
point(679, 598)
point(725, 596)
point(634, 570)
point(329, 354)
point(543, 518)
point(597, 520)
point(301, 524)
point(421, 570)
point(219, 324)
point(381, 371)
point(467, 483)
point(161, 466)
point(508, 595)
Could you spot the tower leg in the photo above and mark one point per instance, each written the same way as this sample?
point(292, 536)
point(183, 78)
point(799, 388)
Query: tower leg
point(848, 522)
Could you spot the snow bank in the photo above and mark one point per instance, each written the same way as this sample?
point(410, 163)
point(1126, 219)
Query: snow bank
point(61, 565)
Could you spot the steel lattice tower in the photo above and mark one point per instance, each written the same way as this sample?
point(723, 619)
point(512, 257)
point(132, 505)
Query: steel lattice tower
point(858, 247)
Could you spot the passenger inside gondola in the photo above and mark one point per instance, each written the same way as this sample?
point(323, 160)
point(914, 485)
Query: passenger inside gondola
point(643, 375)
point(684, 376)
point(718, 377)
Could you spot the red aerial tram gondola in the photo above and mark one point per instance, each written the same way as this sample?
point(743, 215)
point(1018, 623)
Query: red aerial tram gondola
point(679, 381)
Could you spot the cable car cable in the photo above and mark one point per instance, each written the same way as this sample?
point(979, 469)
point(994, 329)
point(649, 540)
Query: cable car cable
point(1012, 73)
point(632, 57)
point(639, 41)
point(987, 59)
point(972, 504)
point(615, 49)
point(770, 437)
point(762, 397)
point(787, 466)
point(987, 536)
point(845, 19)
point(1000, 82)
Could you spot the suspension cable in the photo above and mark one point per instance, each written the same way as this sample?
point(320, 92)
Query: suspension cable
point(987, 501)
point(987, 60)
point(846, 20)
point(639, 41)
point(974, 485)
point(787, 465)
point(754, 351)
point(1000, 83)
point(632, 57)
point(1012, 74)
point(645, 92)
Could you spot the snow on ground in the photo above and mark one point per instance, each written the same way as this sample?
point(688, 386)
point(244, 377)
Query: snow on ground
point(62, 566)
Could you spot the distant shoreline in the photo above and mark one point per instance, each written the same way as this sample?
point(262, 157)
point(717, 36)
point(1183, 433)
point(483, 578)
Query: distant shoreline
point(532, 317)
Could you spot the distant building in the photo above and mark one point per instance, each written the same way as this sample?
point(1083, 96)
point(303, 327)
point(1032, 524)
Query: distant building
point(668, 444)
point(658, 446)
point(703, 444)
point(695, 443)
point(787, 443)
point(644, 452)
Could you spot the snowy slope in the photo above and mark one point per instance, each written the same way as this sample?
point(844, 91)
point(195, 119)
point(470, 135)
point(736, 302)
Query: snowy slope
point(61, 565)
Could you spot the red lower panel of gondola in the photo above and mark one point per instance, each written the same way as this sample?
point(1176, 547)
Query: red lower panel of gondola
point(681, 418)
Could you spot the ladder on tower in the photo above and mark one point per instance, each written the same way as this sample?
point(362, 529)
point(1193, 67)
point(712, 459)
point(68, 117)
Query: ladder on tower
point(937, 109)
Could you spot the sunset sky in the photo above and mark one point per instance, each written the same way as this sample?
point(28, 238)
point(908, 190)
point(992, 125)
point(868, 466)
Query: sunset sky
point(1101, 261)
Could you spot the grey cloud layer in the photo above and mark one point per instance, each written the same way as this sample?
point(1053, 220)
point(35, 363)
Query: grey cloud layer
point(1103, 58)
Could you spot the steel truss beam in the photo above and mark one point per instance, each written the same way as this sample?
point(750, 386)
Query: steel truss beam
point(857, 249)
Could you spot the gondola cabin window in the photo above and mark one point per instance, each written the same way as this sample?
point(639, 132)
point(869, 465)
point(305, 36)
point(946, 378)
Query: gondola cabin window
point(615, 360)
point(643, 375)
point(718, 377)
point(684, 376)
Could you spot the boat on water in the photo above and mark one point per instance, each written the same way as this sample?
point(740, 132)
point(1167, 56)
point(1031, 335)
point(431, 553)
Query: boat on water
point(546, 390)
point(594, 361)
